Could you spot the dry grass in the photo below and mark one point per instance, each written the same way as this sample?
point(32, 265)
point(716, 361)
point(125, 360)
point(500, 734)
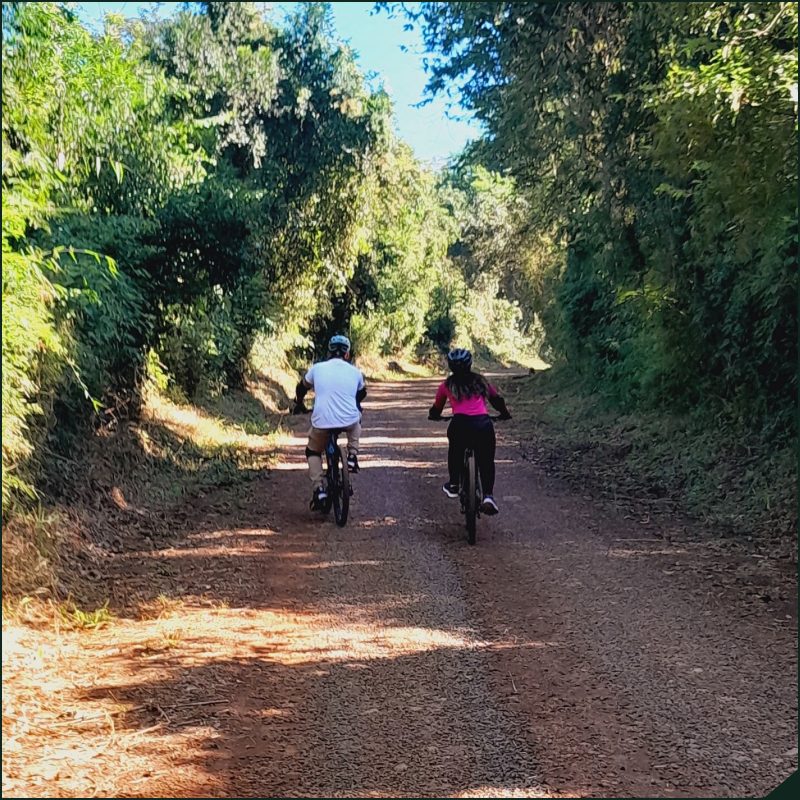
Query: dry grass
point(193, 448)
point(208, 433)
point(129, 480)
point(47, 560)
point(655, 463)
point(162, 607)
point(31, 554)
point(58, 740)
point(273, 385)
point(63, 739)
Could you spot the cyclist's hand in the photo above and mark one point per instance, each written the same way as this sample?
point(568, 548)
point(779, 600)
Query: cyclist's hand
point(299, 408)
point(505, 416)
point(433, 416)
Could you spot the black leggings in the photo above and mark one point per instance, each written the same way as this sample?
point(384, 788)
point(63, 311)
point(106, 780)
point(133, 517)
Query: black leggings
point(476, 432)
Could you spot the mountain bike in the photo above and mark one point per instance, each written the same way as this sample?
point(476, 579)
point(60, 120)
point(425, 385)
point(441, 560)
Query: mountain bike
point(470, 492)
point(338, 480)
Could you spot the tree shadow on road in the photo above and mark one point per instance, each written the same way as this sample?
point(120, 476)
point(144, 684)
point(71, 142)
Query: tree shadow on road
point(282, 720)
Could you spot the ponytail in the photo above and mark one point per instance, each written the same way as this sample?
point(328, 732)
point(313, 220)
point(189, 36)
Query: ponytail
point(467, 384)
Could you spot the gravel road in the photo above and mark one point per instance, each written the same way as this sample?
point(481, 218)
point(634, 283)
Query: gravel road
point(570, 653)
point(567, 653)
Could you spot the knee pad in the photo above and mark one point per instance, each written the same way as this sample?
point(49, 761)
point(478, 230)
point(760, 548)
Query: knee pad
point(310, 452)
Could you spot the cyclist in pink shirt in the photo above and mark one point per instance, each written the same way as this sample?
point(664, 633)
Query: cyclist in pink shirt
point(468, 393)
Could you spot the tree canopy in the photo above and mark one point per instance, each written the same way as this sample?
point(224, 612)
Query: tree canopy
point(176, 189)
point(655, 147)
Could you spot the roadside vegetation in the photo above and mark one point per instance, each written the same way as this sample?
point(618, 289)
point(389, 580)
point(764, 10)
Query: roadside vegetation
point(191, 206)
point(188, 214)
point(650, 150)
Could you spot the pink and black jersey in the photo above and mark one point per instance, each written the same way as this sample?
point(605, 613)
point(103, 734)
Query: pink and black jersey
point(473, 406)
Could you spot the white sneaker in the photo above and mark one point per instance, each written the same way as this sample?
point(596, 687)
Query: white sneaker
point(488, 506)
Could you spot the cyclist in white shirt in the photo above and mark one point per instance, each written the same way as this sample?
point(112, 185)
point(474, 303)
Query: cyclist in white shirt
point(339, 389)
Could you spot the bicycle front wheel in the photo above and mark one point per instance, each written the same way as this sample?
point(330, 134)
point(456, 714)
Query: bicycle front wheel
point(471, 499)
point(341, 492)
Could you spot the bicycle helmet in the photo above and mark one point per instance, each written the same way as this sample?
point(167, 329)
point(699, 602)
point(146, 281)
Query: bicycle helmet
point(459, 360)
point(339, 345)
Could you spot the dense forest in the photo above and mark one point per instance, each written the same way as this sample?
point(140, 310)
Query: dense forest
point(176, 191)
point(655, 145)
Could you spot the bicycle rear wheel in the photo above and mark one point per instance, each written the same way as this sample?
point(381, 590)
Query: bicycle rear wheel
point(341, 491)
point(331, 481)
point(471, 499)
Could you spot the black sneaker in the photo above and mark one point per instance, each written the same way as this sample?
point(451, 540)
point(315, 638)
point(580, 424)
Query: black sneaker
point(352, 463)
point(488, 506)
point(450, 489)
point(319, 499)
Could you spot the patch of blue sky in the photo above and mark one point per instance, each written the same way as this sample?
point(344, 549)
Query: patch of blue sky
point(391, 55)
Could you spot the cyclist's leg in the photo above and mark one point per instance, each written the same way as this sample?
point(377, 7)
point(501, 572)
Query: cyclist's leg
point(485, 447)
point(317, 440)
point(457, 436)
point(353, 438)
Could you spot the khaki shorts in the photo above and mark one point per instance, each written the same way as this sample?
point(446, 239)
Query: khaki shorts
point(318, 438)
point(318, 441)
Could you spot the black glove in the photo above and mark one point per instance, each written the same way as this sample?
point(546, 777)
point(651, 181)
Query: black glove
point(434, 414)
point(499, 404)
point(299, 407)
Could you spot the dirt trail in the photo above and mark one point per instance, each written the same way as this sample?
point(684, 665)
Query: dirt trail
point(569, 653)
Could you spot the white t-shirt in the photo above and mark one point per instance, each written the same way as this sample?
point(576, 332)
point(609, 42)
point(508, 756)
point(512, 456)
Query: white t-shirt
point(335, 385)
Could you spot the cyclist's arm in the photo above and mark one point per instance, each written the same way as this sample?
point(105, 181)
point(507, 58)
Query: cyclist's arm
point(498, 403)
point(301, 390)
point(361, 391)
point(436, 409)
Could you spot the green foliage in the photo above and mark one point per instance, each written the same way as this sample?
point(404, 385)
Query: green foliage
point(31, 343)
point(404, 244)
point(439, 262)
point(654, 147)
point(72, 106)
point(105, 309)
point(499, 256)
point(173, 187)
point(271, 227)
